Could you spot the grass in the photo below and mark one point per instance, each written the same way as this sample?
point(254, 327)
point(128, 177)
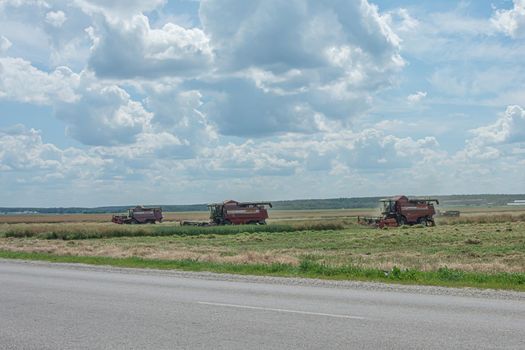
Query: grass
point(307, 268)
point(94, 231)
point(486, 251)
point(481, 247)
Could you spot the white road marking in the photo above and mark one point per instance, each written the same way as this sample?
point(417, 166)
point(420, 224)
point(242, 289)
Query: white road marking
point(281, 310)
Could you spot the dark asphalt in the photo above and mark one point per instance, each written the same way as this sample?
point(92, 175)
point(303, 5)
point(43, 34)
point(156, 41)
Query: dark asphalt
point(50, 306)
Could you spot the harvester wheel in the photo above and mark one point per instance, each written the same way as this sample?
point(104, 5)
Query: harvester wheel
point(423, 221)
point(402, 221)
point(227, 222)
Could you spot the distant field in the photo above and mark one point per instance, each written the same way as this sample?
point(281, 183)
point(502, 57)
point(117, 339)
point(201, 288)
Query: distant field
point(275, 215)
point(482, 246)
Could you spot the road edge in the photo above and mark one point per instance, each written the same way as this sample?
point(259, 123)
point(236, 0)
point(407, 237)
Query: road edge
point(290, 281)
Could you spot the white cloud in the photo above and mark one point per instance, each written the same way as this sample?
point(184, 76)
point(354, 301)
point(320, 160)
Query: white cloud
point(289, 65)
point(131, 48)
point(497, 141)
point(56, 18)
point(21, 81)
point(118, 9)
point(178, 112)
point(417, 97)
point(278, 36)
point(401, 20)
point(34, 172)
point(509, 128)
point(20, 3)
point(104, 114)
point(5, 44)
point(96, 113)
point(23, 149)
point(511, 22)
point(263, 98)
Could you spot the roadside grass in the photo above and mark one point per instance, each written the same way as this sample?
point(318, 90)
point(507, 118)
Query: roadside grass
point(308, 269)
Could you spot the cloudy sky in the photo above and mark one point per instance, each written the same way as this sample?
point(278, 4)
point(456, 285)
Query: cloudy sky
point(185, 101)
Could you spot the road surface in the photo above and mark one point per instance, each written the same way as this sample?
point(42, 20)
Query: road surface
point(53, 306)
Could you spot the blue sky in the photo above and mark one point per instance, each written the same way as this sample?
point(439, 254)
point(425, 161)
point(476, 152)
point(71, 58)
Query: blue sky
point(167, 102)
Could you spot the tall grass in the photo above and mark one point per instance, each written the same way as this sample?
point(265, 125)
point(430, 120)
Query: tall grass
point(86, 231)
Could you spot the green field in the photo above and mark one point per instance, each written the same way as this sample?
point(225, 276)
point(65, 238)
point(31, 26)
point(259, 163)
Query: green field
point(479, 251)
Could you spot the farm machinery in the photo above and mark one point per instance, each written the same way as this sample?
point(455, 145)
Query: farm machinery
point(139, 215)
point(400, 210)
point(231, 212)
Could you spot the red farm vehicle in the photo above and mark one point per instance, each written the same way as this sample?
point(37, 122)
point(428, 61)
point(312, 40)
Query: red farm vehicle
point(235, 213)
point(239, 213)
point(139, 215)
point(400, 210)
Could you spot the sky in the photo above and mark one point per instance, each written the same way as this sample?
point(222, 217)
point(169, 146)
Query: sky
point(186, 101)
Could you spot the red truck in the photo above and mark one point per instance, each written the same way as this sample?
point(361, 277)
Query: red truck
point(400, 210)
point(139, 215)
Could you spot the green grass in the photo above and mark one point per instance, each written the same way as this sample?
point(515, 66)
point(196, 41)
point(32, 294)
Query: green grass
point(307, 268)
point(95, 231)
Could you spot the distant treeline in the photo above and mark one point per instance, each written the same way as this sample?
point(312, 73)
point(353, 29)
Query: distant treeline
point(482, 200)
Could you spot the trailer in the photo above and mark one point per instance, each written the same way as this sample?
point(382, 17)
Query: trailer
point(450, 213)
point(139, 215)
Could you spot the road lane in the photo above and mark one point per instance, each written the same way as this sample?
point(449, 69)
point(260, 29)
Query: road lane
point(52, 306)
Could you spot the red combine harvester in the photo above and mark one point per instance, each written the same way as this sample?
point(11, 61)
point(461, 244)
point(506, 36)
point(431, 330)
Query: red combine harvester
point(239, 213)
point(235, 213)
point(139, 215)
point(400, 210)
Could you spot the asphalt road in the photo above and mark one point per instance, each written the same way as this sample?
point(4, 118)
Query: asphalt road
point(48, 306)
